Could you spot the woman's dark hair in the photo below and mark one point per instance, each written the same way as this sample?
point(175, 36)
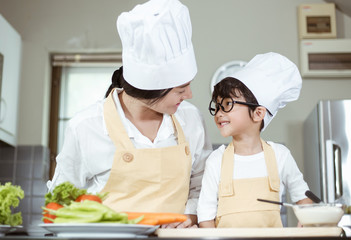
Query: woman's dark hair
point(231, 87)
point(152, 96)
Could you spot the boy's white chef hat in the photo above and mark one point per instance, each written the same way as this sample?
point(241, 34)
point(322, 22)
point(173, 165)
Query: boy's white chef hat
point(157, 48)
point(273, 79)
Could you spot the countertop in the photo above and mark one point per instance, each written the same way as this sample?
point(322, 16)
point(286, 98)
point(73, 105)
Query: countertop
point(332, 233)
point(156, 238)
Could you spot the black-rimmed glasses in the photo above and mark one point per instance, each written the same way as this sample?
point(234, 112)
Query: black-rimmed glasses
point(227, 105)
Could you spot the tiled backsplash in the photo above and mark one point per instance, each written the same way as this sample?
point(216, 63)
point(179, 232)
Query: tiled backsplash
point(27, 166)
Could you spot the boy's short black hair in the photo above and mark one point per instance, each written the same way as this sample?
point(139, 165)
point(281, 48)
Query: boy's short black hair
point(231, 87)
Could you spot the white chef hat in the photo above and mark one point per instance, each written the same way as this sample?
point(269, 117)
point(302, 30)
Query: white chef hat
point(157, 48)
point(273, 79)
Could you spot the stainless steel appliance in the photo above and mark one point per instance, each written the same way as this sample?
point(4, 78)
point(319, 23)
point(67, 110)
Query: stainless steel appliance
point(327, 151)
point(1, 67)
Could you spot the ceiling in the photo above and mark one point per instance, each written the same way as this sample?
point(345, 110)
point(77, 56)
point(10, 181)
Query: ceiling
point(342, 5)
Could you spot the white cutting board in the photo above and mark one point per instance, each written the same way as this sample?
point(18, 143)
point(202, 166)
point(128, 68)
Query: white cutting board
point(250, 232)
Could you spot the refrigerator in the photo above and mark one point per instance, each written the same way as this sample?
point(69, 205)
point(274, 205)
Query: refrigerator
point(327, 152)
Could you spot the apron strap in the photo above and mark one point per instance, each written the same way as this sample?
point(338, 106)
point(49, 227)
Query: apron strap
point(114, 124)
point(226, 185)
point(179, 130)
point(272, 168)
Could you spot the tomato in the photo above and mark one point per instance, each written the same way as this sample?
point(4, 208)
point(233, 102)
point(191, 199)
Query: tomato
point(90, 197)
point(53, 206)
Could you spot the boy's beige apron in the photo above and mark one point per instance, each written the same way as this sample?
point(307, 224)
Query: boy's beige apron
point(238, 205)
point(146, 180)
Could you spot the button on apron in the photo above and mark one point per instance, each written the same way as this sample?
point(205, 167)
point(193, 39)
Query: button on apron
point(128, 157)
point(187, 150)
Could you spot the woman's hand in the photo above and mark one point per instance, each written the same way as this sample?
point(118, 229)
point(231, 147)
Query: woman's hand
point(191, 222)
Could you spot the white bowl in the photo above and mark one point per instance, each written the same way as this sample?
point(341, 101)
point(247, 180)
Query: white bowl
point(319, 215)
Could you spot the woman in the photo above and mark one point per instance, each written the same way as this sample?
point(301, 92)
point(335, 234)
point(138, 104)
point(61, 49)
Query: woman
point(143, 144)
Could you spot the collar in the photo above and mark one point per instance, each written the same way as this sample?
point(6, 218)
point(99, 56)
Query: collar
point(165, 131)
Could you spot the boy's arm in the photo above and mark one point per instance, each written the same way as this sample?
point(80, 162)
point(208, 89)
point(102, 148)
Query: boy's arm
point(207, 224)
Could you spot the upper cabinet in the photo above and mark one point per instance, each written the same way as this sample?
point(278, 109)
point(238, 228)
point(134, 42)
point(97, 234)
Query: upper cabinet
point(10, 61)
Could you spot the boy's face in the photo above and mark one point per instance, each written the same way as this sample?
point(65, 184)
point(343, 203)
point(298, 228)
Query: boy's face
point(237, 122)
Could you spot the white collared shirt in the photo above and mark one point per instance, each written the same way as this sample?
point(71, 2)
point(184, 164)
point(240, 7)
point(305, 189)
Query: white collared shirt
point(87, 153)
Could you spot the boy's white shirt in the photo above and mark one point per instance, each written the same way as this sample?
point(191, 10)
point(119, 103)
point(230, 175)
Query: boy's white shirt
point(248, 167)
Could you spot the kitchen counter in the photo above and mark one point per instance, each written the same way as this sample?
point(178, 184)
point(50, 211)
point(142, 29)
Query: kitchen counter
point(332, 233)
point(212, 234)
point(194, 238)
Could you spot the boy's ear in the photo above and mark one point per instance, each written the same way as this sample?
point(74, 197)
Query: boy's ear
point(259, 113)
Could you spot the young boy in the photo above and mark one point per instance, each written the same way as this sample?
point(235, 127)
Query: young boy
point(250, 168)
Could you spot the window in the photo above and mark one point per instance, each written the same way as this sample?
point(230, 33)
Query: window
point(78, 80)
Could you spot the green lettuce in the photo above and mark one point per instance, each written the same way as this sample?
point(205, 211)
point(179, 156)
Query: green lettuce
point(10, 196)
point(64, 194)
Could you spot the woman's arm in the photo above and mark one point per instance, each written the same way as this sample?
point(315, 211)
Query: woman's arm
point(69, 165)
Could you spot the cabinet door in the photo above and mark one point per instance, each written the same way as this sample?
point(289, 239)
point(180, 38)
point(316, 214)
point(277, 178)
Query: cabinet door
point(10, 48)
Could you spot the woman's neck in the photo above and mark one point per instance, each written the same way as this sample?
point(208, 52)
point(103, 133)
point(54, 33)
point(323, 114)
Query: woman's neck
point(247, 145)
point(146, 120)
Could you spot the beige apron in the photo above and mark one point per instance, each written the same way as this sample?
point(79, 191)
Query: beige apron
point(146, 180)
point(238, 205)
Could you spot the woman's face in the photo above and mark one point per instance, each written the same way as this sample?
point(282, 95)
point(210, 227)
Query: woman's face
point(170, 103)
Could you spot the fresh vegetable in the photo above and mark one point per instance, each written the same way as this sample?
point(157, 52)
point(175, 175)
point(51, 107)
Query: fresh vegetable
point(157, 218)
point(148, 221)
point(97, 198)
point(51, 206)
point(9, 198)
point(64, 194)
point(89, 197)
point(88, 212)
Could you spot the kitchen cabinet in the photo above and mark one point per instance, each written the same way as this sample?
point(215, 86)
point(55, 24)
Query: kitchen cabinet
point(10, 50)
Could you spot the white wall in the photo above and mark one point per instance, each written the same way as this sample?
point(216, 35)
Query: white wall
point(223, 30)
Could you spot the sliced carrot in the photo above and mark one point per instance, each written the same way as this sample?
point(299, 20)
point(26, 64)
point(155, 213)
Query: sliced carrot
point(180, 217)
point(161, 218)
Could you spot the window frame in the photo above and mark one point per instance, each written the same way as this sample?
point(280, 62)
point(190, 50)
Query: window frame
point(58, 62)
